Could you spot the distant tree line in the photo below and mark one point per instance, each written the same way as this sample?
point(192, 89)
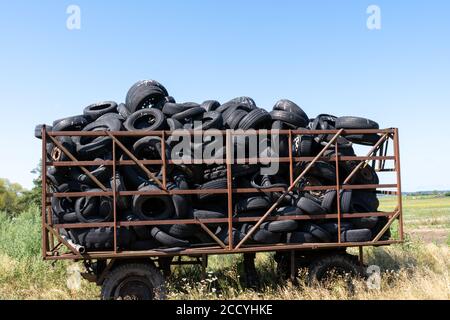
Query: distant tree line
point(14, 198)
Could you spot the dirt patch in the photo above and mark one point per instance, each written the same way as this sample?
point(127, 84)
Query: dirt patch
point(438, 236)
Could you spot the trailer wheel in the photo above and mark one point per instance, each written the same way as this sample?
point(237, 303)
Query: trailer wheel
point(134, 281)
point(327, 268)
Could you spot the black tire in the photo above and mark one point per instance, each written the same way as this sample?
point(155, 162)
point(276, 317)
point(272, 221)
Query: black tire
point(111, 115)
point(206, 214)
point(322, 268)
point(256, 119)
point(189, 115)
point(364, 223)
point(94, 209)
point(90, 147)
point(265, 236)
point(96, 239)
point(101, 173)
point(152, 207)
point(355, 123)
point(96, 110)
point(256, 203)
point(363, 139)
point(173, 125)
point(364, 201)
point(289, 106)
point(222, 234)
point(329, 202)
point(62, 206)
point(300, 237)
point(146, 120)
point(74, 123)
point(167, 239)
point(123, 111)
point(289, 211)
point(171, 109)
point(292, 119)
point(365, 175)
point(145, 94)
point(346, 201)
point(214, 184)
point(136, 281)
point(235, 118)
point(332, 227)
point(210, 105)
point(323, 171)
point(356, 235)
point(280, 226)
point(211, 120)
point(304, 146)
point(317, 231)
point(310, 207)
point(181, 231)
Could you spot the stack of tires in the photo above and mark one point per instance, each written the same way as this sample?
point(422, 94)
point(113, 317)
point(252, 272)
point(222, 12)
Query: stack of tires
point(149, 107)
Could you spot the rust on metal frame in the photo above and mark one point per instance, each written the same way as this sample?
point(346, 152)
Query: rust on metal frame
point(48, 229)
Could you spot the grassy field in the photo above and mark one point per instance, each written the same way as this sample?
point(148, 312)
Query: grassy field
point(417, 269)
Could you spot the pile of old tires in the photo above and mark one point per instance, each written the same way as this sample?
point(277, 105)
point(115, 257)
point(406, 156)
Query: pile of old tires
point(148, 107)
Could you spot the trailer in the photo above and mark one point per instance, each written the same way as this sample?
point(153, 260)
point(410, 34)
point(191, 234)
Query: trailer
point(138, 273)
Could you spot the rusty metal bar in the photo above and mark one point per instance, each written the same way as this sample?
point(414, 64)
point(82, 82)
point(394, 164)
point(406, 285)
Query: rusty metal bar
point(399, 182)
point(86, 171)
point(210, 161)
point(200, 132)
point(114, 186)
point(213, 191)
point(218, 250)
point(219, 220)
point(64, 241)
point(291, 164)
point(228, 147)
point(44, 192)
point(211, 234)
point(138, 163)
point(338, 192)
point(164, 160)
point(286, 192)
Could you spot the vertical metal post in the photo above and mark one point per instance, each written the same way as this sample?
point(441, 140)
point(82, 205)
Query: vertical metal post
point(293, 273)
point(229, 189)
point(291, 165)
point(361, 255)
point(204, 265)
point(164, 160)
point(114, 185)
point(44, 192)
point(338, 191)
point(399, 182)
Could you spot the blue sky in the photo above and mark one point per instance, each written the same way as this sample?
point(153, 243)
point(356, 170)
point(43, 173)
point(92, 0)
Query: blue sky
point(319, 54)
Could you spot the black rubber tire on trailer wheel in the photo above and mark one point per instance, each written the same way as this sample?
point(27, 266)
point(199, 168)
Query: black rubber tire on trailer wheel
point(342, 264)
point(134, 281)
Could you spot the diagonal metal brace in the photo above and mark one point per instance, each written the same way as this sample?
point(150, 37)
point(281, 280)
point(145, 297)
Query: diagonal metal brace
point(63, 241)
point(211, 234)
point(71, 156)
point(388, 224)
point(286, 192)
point(138, 163)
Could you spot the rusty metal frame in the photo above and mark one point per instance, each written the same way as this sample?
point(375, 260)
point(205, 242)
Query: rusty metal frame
point(379, 152)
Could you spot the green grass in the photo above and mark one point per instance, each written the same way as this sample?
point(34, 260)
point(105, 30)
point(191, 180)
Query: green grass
point(413, 270)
